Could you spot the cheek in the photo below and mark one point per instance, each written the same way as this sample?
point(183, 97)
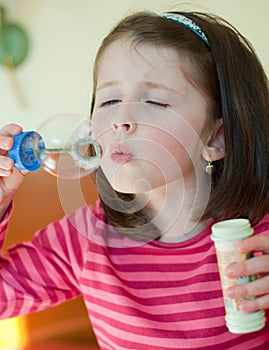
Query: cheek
point(100, 127)
point(103, 135)
point(161, 155)
point(162, 147)
point(175, 153)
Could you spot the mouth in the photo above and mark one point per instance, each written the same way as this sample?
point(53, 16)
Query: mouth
point(120, 154)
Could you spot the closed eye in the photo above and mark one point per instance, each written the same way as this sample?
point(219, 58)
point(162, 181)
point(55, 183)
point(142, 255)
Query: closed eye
point(109, 103)
point(159, 104)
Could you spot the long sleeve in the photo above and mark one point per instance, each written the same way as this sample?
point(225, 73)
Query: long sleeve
point(45, 271)
point(4, 225)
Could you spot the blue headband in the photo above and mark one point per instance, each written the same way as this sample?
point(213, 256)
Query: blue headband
point(187, 23)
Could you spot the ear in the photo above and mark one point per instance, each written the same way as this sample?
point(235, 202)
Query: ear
point(214, 148)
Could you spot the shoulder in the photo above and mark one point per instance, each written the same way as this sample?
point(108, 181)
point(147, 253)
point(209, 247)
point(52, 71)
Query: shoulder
point(73, 235)
point(262, 228)
point(94, 213)
point(82, 223)
point(87, 219)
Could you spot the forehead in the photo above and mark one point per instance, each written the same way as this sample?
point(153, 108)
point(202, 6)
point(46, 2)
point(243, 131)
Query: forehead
point(124, 58)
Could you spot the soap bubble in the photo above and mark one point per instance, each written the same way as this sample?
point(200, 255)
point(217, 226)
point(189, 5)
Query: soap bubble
point(70, 150)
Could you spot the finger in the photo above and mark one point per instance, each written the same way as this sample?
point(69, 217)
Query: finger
point(260, 303)
point(6, 133)
point(5, 173)
point(253, 266)
point(6, 165)
point(255, 243)
point(251, 289)
point(10, 129)
point(6, 143)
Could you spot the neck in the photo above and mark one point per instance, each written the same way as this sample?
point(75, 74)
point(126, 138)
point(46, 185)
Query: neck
point(177, 210)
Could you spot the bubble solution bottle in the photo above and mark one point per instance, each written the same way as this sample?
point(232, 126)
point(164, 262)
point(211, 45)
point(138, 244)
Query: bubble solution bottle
point(225, 234)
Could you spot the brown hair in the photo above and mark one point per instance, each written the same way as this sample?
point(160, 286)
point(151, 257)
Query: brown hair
point(231, 77)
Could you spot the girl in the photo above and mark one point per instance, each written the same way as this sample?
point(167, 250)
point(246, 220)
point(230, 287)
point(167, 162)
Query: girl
point(181, 110)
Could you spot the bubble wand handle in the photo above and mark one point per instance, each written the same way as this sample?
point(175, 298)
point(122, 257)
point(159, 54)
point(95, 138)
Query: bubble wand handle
point(29, 152)
point(53, 150)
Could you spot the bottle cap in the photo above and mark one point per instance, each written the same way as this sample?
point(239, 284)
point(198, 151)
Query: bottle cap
point(231, 230)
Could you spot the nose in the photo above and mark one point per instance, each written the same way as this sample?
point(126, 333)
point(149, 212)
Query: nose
point(128, 128)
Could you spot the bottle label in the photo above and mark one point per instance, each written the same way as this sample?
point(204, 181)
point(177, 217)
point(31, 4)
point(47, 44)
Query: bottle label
point(228, 254)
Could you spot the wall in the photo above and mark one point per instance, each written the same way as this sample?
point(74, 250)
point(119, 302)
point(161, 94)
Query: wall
point(65, 34)
point(56, 78)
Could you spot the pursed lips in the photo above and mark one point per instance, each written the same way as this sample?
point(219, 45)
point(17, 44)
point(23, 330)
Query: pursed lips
point(120, 154)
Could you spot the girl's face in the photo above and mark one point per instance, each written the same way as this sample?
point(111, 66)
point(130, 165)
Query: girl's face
point(149, 119)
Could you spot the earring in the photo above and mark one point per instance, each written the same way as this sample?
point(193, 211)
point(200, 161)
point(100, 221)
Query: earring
point(209, 167)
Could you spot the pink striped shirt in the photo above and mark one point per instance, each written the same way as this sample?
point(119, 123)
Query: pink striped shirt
point(153, 296)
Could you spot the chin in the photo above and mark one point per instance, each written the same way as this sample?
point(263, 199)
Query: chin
point(119, 187)
point(138, 187)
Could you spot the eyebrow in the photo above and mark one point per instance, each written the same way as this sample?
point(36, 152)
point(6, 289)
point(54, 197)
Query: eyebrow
point(107, 84)
point(149, 84)
point(152, 85)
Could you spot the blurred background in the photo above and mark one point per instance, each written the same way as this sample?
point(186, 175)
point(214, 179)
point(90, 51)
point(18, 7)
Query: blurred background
point(55, 76)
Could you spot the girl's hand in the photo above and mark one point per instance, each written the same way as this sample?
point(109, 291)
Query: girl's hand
point(258, 265)
point(10, 178)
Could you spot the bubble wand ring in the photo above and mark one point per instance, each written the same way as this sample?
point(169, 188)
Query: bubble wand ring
point(87, 163)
